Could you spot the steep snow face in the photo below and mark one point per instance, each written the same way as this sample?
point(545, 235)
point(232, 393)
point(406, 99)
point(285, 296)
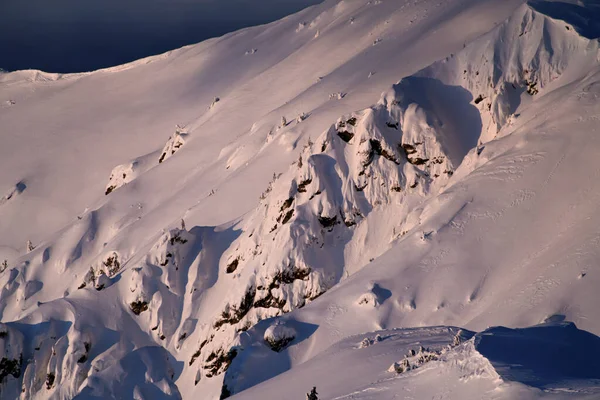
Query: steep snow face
point(386, 155)
point(293, 247)
point(433, 123)
point(390, 157)
point(524, 55)
point(382, 220)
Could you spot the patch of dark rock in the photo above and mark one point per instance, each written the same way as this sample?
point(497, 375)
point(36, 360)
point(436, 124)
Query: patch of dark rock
point(287, 204)
point(409, 148)
point(328, 222)
point(109, 190)
point(50, 380)
point(197, 353)
point(235, 314)
point(278, 345)
point(138, 307)
point(318, 192)
point(360, 188)
point(10, 367)
point(287, 217)
point(219, 361)
point(345, 136)
point(112, 264)
point(177, 239)
point(232, 266)
point(302, 185)
point(418, 161)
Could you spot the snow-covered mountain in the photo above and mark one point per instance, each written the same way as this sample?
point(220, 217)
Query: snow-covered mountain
point(309, 201)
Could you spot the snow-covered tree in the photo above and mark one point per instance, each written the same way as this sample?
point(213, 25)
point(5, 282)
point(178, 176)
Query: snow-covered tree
point(283, 122)
point(30, 246)
point(3, 266)
point(312, 395)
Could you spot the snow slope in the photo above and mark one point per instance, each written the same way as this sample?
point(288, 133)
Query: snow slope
point(462, 195)
point(493, 364)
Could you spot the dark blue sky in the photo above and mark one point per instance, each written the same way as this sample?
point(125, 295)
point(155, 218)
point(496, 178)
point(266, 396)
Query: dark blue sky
point(84, 35)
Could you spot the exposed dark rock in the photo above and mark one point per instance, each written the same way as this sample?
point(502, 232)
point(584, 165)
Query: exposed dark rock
point(360, 188)
point(109, 190)
point(177, 239)
point(50, 380)
point(278, 345)
point(218, 362)
point(234, 314)
point(10, 367)
point(418, 160)
point(376, 147)
point(138, 307)
point(197, 353)
point(287, 204)
point(328, 222)
point(287, 217)
point(302, 185)
point(112, 264)
point(318, 192)
point(479, 99)
point(232, 266)
point(531, 87)
point(345, 136)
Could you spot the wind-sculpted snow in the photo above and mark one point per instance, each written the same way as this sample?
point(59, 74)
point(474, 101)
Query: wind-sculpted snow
point(429, 206)
point(292, 248)
point(388, 157)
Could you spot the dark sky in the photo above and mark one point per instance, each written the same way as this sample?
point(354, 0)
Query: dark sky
point(84, 35)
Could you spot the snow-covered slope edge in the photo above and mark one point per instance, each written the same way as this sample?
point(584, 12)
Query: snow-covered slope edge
point(364, 167)
point(388, 159)
point(546, 361)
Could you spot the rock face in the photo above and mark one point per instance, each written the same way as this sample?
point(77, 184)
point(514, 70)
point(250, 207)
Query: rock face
point(11, 353)
point(175, 142)
point(125, 173)
point(120, 175)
